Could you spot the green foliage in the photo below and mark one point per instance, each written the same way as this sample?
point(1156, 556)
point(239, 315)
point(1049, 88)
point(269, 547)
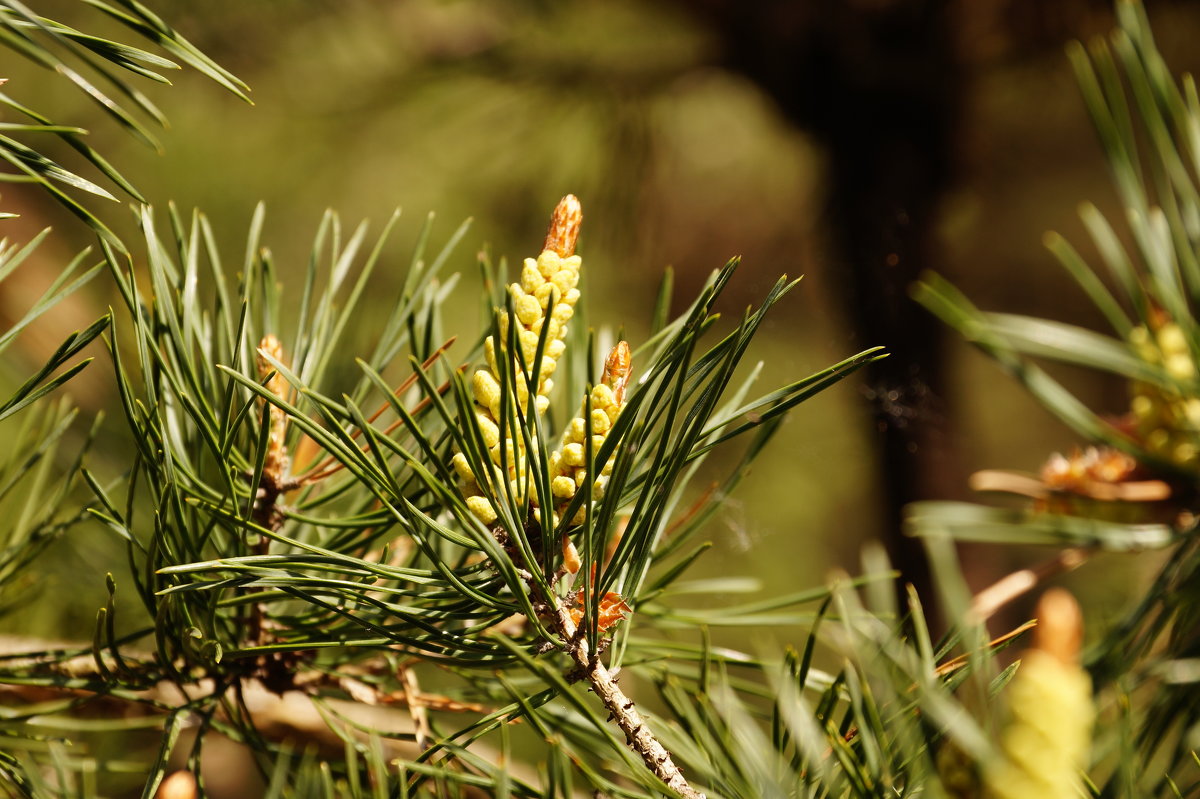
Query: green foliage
point(374, 566)
point(376, 552)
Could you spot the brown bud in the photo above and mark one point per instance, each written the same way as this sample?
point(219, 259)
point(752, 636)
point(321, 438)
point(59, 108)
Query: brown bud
point(271, 346)
point(617, 368)
point(277, 463)
point(563, 232)
point(1060, 626)
point(180, 785)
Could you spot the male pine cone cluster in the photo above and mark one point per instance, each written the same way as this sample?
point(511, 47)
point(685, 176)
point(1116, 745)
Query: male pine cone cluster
point(1167, 420)
point(568, 466)
point(548, 288)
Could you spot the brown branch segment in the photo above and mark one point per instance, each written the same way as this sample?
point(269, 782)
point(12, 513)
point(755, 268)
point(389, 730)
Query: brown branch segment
point(622, 709)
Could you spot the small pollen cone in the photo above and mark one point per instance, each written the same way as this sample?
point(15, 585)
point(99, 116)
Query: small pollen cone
point(1166, 419)
point(180, 785)
point(568, 464)
point(563, 232)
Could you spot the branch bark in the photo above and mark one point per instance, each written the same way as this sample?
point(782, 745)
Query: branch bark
point(290, 715)
point(622, 709)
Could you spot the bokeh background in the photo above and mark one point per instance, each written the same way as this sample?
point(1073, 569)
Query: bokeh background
point(856, 142)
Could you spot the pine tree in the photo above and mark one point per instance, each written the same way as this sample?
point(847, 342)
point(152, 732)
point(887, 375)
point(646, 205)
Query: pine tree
point(441, 565)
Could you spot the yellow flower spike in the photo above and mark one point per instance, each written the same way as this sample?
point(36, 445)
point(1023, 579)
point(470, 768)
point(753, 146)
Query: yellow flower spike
point(277, 462)
point(1044, 746)
point(547, 288)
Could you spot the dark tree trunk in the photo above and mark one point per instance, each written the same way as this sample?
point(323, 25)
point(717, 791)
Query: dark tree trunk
point(879, 85)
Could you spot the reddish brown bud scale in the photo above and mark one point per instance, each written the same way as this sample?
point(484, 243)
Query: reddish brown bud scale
point(613, 609)
point(617, 368)
point(563, 232)
point(571, 561)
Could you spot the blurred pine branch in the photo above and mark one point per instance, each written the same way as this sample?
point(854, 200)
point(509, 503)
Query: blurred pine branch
point(106, 71)
point(1134, 488)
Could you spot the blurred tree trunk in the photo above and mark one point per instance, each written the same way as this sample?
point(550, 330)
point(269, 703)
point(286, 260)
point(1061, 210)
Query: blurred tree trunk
point(879, 84)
